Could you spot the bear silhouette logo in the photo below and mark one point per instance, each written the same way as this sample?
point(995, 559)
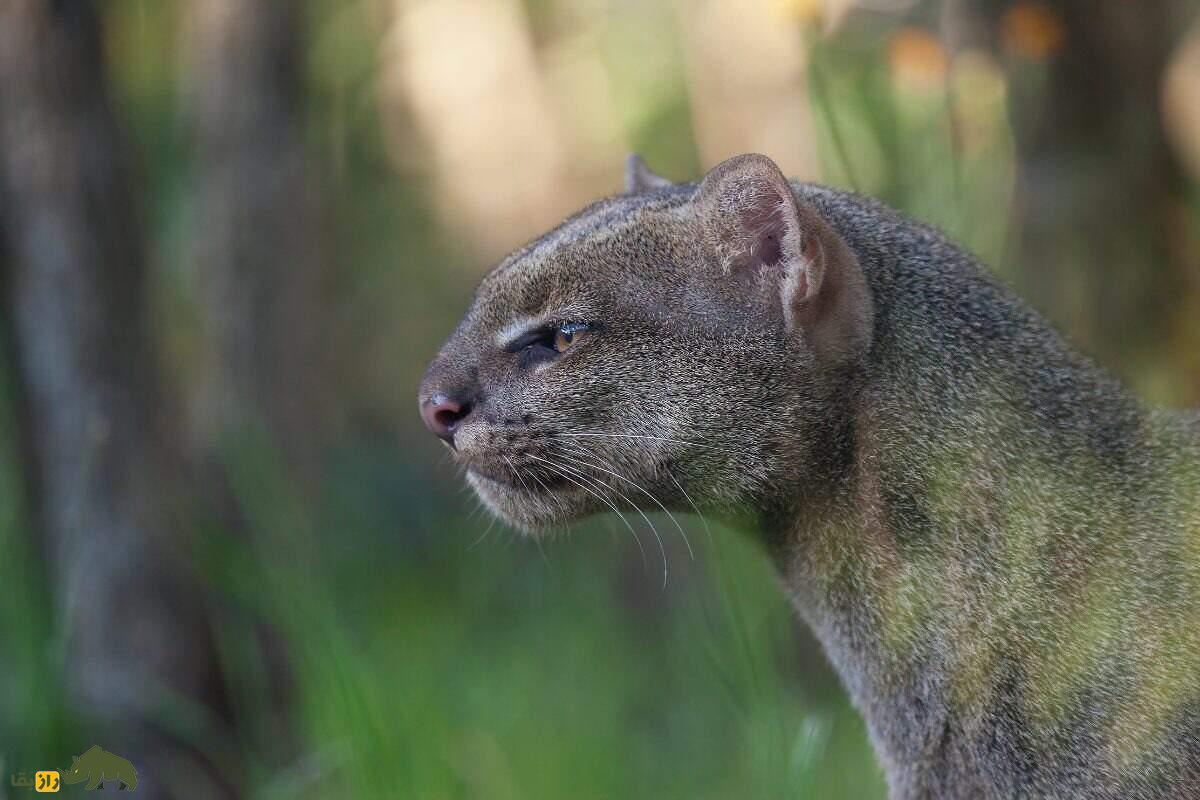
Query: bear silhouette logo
point(96, 766)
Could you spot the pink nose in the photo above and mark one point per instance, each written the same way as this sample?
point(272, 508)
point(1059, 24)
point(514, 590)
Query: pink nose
point(442, 415)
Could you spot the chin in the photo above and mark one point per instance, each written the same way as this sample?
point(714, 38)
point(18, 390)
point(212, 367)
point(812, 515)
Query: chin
point(532, 513)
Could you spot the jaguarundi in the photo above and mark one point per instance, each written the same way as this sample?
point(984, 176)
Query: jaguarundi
point(996, 544)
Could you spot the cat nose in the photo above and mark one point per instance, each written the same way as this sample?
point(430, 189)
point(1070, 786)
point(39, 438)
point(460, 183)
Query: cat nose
point(443, 415)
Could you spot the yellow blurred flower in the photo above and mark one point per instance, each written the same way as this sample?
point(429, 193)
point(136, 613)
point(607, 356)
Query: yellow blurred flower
point(917, 59)
point(806, 12)
point(1032, 30)
point(980, 93)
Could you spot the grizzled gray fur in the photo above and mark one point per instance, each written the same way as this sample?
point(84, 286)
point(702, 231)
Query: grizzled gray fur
point(998, 546)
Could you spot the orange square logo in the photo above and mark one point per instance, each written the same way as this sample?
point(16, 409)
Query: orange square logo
point(47, 781)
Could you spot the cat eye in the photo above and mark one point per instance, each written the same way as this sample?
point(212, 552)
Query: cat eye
point(548, 342)
point(567, 335)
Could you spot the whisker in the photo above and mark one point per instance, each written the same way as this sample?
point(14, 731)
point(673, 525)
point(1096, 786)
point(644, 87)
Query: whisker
point(517, 472)
point(653, 528)
point(562, 470)
point(637, 436)
point(696, 508)
point(483, 535)
point(549, 493)
point(480, 510)
point(634, 484)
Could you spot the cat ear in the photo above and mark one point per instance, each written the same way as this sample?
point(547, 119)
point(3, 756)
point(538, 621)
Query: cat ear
point(639, 178)
point(751, 218)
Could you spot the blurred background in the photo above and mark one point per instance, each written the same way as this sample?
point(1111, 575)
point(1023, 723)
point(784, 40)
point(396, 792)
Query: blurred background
point(233, 232)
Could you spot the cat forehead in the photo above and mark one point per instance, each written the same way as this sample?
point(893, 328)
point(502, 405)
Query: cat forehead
point(576, 255)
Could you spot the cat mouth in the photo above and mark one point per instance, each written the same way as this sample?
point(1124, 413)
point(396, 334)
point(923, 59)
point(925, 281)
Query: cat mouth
point(536, 492)
point(529, 501)
point(514, 480)
point(492, 476)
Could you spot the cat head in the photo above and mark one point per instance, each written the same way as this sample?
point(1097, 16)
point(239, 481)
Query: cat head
point(674, 346)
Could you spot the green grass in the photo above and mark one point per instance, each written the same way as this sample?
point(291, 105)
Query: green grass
point(514, 677)
point(468, 667)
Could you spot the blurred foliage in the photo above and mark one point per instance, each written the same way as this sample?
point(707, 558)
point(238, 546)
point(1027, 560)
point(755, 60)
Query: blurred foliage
point(434, 655)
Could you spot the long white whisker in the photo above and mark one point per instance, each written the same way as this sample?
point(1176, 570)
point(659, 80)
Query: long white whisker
point(653, 528)
point(521, 478)
point(583, 476)
point(634, 484)
point(636, 436)
point(517, 472)
point(483, 535)
point(549, 493)
point(560, 471)
point(696, 508)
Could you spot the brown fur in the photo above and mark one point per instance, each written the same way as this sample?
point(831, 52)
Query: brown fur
point(997, 546)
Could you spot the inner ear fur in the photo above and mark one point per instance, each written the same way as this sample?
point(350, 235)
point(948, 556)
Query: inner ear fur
point(753, 221)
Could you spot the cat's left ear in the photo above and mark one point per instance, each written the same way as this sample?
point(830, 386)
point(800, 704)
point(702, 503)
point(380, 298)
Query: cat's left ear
point(639, 178)
point(760, 233)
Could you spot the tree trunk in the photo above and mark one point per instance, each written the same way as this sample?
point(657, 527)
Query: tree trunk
point(254, 258)
point(96, 423)
point(255, 247)
point(1099, 206)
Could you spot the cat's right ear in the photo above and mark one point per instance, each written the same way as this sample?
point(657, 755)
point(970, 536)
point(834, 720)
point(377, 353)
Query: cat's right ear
point(639, 178)
point(762, 235)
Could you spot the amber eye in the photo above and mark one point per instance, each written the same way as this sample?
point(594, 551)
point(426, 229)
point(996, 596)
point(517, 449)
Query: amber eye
point(567, 335)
